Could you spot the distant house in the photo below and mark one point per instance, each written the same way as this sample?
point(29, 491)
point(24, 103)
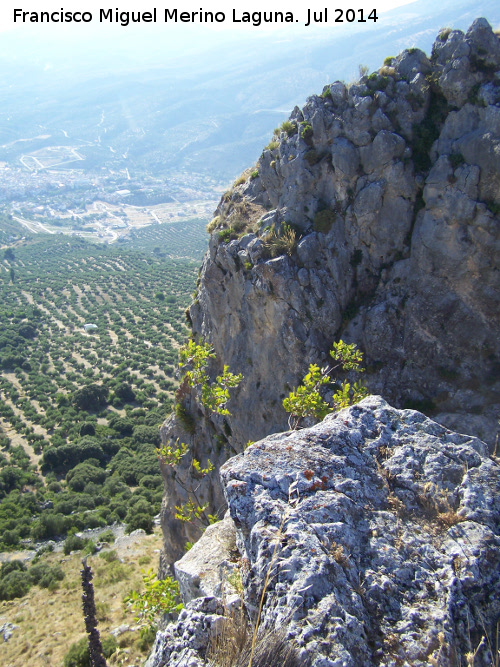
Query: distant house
point(89, 327)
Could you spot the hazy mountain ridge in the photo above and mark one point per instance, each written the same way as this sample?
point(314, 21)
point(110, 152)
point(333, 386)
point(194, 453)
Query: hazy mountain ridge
point(163, 101)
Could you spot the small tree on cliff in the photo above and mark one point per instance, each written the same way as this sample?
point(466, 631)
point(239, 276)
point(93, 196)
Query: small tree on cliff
point(214, 396)
point(195, 358)
point(307, 401)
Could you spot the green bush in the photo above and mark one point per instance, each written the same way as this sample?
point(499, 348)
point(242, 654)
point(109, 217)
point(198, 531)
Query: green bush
point(185, 417)
point(82, 474)
point(145, 434)
point(109, 556)
point(312, 157)
point(107, 536)
point(16, 584)
point(87, 428)
point(282, 242)
point(91, 397)
point(12, 566)
point(323, 220)
point(45, 576)
point(288, 127)
point(137, 521)
point(306, 131)
point(307, 401)
point(78, 654)
point(74, 543)
point(272, 145)
point(48, 525)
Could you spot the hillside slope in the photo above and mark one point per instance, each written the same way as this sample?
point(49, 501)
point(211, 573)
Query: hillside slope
point(390, 188)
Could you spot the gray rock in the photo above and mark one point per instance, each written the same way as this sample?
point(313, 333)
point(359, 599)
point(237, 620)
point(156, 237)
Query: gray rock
point(345, 157)
point(405, 265)
point(203, 570)
point(380, 530)
point(412, 62)
point(7, 629)
point(484, 44)
point(184, 643)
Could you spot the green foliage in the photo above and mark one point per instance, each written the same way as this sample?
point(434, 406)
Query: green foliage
point(16, 584)
point(78, 654)
point(107, 536)
point(444, 34)
point(272, 145)
point(323, 220)
point(307, 401)
point(87, 428)
point(161, 596)
point(139, 521)
point(226, 235)
point(190, 511)
point(16, 579)
point(172, 456)
point(282, 242)
point(84, 473)
point(312, 157)
point(347, 356)
point(288, 127)
point(91, 397)
point(46, 576)
point(62, 282)
point(185, 418)
point(124, 392)
point(74, 543)
point(306, 131)
point(214, 394)
point(254, 174)
point(348, 395)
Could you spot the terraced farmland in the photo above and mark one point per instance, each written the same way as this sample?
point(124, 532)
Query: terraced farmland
point(80, 405)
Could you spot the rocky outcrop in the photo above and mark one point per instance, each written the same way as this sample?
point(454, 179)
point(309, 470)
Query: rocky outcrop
point(392, 189)
point(381, 531)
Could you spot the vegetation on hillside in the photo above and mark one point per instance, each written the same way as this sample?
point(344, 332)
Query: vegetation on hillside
point(80, 410)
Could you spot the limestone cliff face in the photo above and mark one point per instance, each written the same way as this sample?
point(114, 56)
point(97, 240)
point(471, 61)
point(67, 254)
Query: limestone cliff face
point(392, 187)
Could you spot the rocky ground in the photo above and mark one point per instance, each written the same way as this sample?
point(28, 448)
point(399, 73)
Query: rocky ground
point(375, 536)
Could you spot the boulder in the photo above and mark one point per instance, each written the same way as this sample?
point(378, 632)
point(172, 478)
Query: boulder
point(375, 536)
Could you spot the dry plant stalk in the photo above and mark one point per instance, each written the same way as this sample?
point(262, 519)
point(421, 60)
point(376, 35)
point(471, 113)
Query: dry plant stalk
point(89, 614)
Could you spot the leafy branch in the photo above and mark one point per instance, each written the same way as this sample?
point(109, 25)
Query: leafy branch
point(307, 401)
point(214, 394)
point(160, 597)
point(172, 455)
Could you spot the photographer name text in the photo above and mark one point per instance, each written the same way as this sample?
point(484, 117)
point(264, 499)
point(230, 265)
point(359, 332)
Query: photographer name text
point(167, 15)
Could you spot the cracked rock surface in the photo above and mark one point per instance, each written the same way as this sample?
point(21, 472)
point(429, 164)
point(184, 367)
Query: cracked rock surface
point(386, 527)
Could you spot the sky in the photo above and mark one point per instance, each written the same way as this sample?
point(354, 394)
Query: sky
point(92, 44)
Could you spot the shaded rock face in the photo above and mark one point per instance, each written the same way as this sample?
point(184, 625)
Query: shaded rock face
point(388, 548)
point(393, 188)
